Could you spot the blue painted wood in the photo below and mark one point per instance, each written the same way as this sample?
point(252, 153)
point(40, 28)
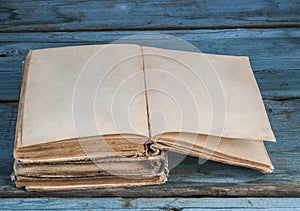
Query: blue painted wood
point(274, 53)
point(151, 203)
point(66, 15)
point(8, 117)
point(189, 178)
point(275, 56)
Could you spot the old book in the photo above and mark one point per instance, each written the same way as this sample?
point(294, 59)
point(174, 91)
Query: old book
point(105, 115)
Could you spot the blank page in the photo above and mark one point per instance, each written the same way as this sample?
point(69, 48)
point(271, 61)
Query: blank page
point(244, 151)
point(204, 94)
point(84, 91)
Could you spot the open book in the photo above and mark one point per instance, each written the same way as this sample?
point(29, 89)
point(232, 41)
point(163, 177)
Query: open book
point(105, 115)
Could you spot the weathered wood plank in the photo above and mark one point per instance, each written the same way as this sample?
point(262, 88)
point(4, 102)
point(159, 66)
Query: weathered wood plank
point(274, 54)
point(67, 15)
point(151, 203)
point(189, 178)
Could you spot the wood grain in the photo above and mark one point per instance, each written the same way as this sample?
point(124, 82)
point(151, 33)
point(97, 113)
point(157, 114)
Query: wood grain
point(17, 16)
point(274, 53)
point(189, 178)
point(266, 31)
point(152, 203)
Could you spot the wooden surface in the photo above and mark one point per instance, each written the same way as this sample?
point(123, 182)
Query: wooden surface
point(152, 204)
point(266, 31)
point(189, 178)
point(274, 53)
point(107, 15)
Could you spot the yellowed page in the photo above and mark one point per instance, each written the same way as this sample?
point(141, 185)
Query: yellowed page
point(204, 94)
point(84, 91)
point(249, 153)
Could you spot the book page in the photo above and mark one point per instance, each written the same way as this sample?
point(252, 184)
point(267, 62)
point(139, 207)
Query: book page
point(84, 91)
point(248, 153)
point(204, 94)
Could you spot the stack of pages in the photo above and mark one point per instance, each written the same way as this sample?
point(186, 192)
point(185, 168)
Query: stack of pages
point(104, 115)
